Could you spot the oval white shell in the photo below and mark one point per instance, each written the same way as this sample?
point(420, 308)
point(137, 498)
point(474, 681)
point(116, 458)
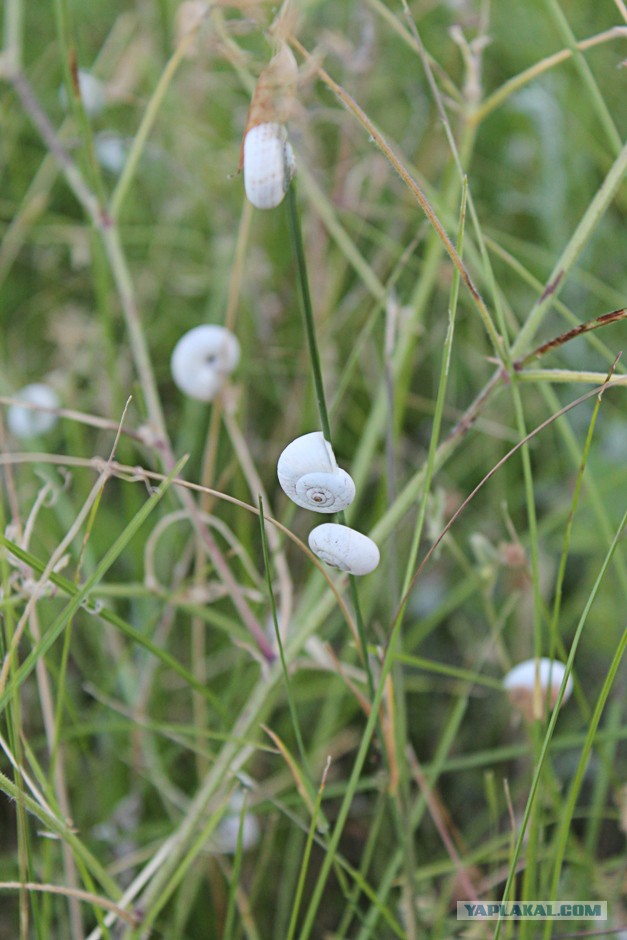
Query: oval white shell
point(28, 422)
point(309, 475)
point(202, 359)
point(520, 683)
point(268, 165)
point(523, 676)
point(344, 548)
point(111, 151)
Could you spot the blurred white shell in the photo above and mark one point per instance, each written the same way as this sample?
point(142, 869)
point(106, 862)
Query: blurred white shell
point(29, 422)
point(344, 548)
point(269, 165)
point(227, 833)
point(520, 683)
point(309, 474)
point(202, 359)
point(111, 150)
point(93, 94)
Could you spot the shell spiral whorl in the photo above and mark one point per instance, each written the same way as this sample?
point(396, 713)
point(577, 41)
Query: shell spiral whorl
point(309, 475)
point(325, 492)
point(202, 360)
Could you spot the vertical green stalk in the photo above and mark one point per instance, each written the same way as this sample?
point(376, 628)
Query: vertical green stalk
point(13, 30)
point(15, 742)
point(288, 686)
point(554, 716)
point(312, 343)
point(585, 72)
point(305, 863)
point(568, 807)
point(307, 310)
point(439, 403)
point(306, 307)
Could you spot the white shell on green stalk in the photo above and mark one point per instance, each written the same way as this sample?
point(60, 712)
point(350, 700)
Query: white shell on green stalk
point(202, 360)
point(325, 492)
point(30, 422)
point(93, 93)
point(309, 475)
point(269, 165)
point(520, 683)
point(226, 835)
point(344, 548)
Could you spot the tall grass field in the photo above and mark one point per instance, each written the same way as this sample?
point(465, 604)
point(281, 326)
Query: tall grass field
point(398, 232)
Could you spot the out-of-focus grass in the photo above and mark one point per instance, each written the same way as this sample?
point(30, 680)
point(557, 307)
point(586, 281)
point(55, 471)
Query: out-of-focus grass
point(109, 741)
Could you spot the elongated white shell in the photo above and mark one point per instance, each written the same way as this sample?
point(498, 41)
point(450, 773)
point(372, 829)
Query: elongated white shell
point(344, 548)
point(520, 683)
point(309, 474)
point(202, 359)
point(28, 422)
point(268, 165)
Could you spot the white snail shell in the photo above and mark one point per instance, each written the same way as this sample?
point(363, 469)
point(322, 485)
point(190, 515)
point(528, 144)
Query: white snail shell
point(309, 474)
point(28, 422)
point(93, 94)
point(344, 548)
point(269, 165)
point(111, 150)
point(225, 837)
point(202, 359)
point(520, 683)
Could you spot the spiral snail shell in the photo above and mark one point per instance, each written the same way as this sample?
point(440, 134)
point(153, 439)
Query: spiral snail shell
point(520, 683)
point(269, 165)
point(344, 548)
point(202, 359)
point(309, 474)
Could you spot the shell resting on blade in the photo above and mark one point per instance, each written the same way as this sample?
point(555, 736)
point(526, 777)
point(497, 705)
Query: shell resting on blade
point(344, 548)
point(269, 165)
point(309, 475)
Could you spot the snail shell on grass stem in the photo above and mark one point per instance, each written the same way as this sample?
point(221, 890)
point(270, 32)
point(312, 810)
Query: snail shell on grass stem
point(520, 683)
point(267, 158)
point(309, 474)
point(269, 165)
point(202, 360)
point(344, 548)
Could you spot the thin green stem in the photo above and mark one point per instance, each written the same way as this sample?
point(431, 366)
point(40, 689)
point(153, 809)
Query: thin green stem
point(553, 721)
point(314, 356)
point(306, 855)
point(434, 439)
point(589, 83)
point(147, 123)
point(306, 307)
point(277, 631)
